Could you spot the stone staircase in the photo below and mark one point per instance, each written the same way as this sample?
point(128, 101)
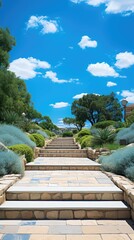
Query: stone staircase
point(58, 191)
point(59, 148)
point(62, 143)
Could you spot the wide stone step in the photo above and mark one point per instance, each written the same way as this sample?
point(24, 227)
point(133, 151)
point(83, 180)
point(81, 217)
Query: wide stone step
point(63, 193)
point(52, 146)
point(56, 163)
point(63, 153)
point(71, 151)
point(64, 210)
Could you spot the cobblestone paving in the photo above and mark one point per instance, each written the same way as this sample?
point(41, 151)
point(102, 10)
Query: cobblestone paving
point(64, 178)
point(67, 230)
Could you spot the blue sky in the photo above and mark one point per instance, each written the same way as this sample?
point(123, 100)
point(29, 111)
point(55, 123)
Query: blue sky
point(67, 48)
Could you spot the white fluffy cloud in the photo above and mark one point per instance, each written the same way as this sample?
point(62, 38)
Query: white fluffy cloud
point(128, 95)
point(112, 6)
point(124, 60)
point(102, 70)
point(47, 26)
point(26, 68)
point(59, 104)
point(111, 84)
point(79, 95)
point(87, 42)
point(53, 77)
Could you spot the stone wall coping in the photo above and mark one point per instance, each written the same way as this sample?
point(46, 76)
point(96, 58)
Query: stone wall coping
point(7, 181)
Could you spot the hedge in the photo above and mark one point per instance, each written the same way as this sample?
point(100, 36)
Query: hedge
point(67, 134)
point(22, 149)
point(39, 139)
point(86, 141)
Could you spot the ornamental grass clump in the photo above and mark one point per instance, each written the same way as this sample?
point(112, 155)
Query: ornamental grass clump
point(126, 134)
point(120, 162)
point(103, 136)
point(11, 135)
point(10, 163)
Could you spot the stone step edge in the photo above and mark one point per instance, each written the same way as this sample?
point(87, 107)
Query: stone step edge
point(63, 165)
point(15, 189)
point(64, 205)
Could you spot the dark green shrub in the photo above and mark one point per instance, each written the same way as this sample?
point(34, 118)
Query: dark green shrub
point(86, 141)
point(103, 136)
point(120, 162)
point(40, 141)
point(22, 149)
point(108, 123)
point(75, 131)
point(104, 124)
point(10, 163)
point(126, 134)
point(67, 134)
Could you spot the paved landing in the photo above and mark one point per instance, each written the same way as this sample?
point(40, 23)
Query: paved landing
point(64, 178)
point(58, 161)
point(67, 230)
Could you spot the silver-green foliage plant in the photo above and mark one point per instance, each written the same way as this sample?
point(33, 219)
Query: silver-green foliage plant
point(43, 133)
point(126, 134)
point(11, 135)
point(120, 162)
point(10, 163)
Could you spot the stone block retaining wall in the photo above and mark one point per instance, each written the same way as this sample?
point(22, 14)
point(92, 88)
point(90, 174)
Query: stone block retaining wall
point(6, 182)
point(128, 188)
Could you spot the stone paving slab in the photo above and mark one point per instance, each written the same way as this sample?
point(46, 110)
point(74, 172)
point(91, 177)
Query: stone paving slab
point(67, 230)
point(63, 161)
point(64, 179)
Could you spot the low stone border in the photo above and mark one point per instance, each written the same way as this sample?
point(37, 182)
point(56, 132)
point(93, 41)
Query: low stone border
point(128, 188)
point(6, 182)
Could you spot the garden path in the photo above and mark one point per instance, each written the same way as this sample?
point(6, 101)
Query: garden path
point(63, 203)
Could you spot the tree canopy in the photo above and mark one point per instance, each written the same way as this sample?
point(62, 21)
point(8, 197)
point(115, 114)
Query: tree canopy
point(76, 122)
point(6, 44)
point(14, 97)
point(47, 123)
point(96, 108)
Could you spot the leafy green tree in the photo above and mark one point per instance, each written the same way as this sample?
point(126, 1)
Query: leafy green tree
point(14, 98)
point(47, 123)
point(75, 121)
point(6, 44)
point(95, 108)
